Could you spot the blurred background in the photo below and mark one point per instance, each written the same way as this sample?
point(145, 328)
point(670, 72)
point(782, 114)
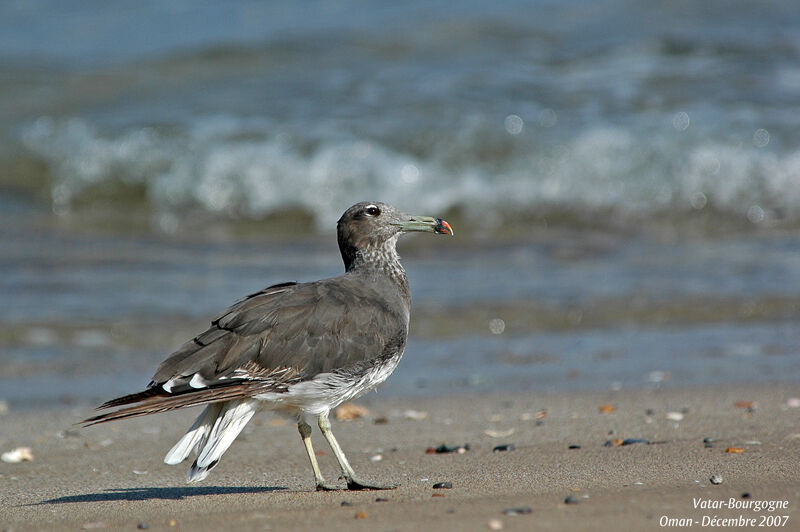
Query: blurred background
point(623, 178)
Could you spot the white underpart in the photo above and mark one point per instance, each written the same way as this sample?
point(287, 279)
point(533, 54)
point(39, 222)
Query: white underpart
point(196, 437)
point(328, 390)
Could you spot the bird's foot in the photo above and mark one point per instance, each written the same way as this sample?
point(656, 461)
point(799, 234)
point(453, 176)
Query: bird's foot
point(324, 486)
point(355, 484)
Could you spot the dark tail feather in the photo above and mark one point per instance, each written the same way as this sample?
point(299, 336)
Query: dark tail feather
point(134, 398)
point(155, 400)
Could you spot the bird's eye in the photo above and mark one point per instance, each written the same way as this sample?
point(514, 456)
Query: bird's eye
point(372, 210)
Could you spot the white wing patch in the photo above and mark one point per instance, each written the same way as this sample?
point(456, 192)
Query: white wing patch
point(167, 386)
point(198, 381)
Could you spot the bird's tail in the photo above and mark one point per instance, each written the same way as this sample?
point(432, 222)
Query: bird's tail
point(211, 435)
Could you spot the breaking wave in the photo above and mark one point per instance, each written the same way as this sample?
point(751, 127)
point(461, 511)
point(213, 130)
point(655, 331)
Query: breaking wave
point(246, 168)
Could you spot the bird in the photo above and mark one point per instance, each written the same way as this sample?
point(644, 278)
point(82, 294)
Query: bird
point(299, 349)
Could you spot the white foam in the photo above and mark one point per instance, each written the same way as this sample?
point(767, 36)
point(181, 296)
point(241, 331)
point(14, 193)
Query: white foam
point(215, 166)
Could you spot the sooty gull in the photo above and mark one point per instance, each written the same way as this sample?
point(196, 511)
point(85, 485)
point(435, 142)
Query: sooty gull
point(297, 348)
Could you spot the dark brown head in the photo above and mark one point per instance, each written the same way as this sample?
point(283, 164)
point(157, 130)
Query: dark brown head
point(373, 227)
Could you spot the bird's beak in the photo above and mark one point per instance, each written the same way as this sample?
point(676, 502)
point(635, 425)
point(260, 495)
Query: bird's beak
point(426, 224)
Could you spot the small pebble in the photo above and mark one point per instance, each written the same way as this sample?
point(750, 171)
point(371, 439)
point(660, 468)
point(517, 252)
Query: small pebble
point(574, 447)
point(350, 411)
point(381, 499)
point(571, 499)
point(443, 485)
point(746, 495)
point(416, 415)
point(437, 495)
point(15, 456)
point(142, 526)
point(376, 458)
point(649, 412)
point(607, 408)
point(734, 450)
point(361, 515)
point(495, 524)
point(675, 416)
point(504, 447)
point(498, 433)
point(347, 503)
point(715, 479)
point(381, 421)
point(522, 510)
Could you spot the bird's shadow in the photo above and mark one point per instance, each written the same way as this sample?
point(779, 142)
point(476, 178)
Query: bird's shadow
point(145, 494)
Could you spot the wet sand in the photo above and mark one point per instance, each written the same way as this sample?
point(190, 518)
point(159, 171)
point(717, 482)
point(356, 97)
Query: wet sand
point(112, 476)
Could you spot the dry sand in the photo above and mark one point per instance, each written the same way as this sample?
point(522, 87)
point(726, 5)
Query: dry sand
point(112, 475)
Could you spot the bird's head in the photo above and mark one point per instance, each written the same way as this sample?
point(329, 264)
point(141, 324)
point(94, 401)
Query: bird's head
point(375, 225)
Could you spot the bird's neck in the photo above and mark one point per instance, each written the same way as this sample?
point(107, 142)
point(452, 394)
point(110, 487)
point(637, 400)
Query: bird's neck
point(380, 260)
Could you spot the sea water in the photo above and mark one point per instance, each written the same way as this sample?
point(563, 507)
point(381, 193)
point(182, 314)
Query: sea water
point(625, 177)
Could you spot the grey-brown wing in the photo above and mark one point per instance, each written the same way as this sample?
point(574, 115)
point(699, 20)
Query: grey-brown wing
point(308, 328)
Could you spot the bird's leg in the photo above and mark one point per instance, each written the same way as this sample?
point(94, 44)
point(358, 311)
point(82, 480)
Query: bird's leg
point(353, 482)
point(305, 433)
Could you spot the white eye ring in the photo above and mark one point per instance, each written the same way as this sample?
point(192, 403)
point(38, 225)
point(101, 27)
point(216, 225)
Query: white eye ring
point(372, 210)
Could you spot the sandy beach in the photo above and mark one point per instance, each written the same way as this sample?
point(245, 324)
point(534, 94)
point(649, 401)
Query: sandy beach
point(112, 476)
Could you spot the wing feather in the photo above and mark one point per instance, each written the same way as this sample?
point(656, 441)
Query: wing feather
point(283, 334)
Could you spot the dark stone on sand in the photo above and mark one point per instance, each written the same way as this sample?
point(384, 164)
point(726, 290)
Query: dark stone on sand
point(574, 447)
point(746, 495)
point(715, 479)
point(347, 503)
point(521, 510)
point(626, 441)
point(443, 485)
point(504, 447)
point(444, 449)
point(571, 499)
point(649, 412)
point(631, 441)
point(381, 499)
point(142, 526)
